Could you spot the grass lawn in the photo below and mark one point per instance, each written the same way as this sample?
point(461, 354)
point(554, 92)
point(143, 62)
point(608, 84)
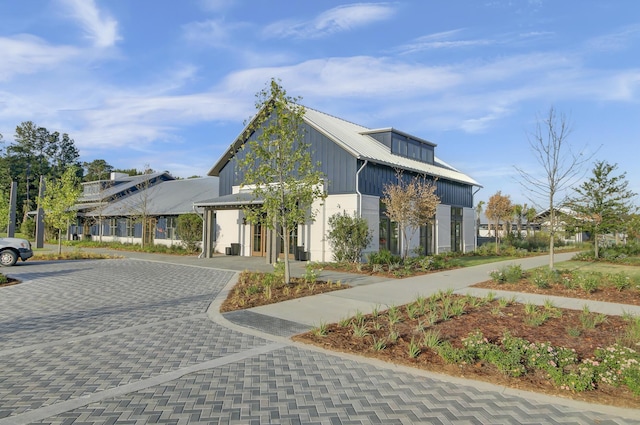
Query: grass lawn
point(600, 267)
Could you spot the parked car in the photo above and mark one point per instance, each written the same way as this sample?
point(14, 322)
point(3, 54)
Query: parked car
point(13, 248)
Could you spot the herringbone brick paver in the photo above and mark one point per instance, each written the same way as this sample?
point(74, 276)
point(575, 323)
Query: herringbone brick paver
point(59, 300)
point(128, 342)
point(293, 385)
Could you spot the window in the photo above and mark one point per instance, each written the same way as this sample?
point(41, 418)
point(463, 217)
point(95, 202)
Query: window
point(409, 148)
point(172, 225)
point(131, 224)
point(456, 229)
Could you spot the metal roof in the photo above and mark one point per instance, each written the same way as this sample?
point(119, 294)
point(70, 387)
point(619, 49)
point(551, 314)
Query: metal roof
point(171, 197)
point(121, 186)
point(231, 201)
point(355, 139)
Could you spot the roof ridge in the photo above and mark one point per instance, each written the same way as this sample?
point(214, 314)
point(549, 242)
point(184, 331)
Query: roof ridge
point(335, 117)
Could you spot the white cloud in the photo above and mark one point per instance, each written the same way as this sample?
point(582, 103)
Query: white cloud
point(442, 40)
point(99, 26)
point(27, 54)
point(338, 19)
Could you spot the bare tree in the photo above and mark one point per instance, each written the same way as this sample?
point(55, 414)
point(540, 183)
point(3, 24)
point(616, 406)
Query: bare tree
point(561, 167)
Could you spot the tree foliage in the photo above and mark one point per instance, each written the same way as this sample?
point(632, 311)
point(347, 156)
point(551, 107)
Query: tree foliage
point(560, 168)
point(411, 203)
point(602, 203)
point(499, 208)
point(278, 166)
point(36, 152)
point(348, 236)
point(98, 169)
point(59, 198)
point(190, 231)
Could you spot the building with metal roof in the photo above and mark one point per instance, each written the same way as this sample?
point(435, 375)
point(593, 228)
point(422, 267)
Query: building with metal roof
point(357, 162)
point(130, 208)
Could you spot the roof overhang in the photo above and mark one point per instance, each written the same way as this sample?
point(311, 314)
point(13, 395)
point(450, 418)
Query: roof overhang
point(234, 201)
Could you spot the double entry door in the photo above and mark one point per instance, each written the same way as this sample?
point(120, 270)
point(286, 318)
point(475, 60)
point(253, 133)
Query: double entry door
point(260, 236)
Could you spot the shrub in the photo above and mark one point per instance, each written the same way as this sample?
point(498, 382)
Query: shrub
point(588, 281)
point(511, 274)
point(620, 280)
point(348, 237)
point(384, 257)
point(189, 228)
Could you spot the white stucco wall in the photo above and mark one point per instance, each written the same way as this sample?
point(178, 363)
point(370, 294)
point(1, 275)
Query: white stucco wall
point(319, 249)
point(468, 230)
point(229, 229)
point(443, 229)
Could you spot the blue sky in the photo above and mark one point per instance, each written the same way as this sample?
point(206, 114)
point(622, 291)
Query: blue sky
point(170, 83)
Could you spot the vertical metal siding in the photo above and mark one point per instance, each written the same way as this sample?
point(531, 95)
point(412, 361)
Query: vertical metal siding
point(338, 166)
point(374, 177)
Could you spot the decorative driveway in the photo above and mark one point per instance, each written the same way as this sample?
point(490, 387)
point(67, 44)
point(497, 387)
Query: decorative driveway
point(130, 342)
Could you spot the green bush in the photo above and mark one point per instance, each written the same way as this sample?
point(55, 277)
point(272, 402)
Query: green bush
point(383, 257)
point(189, 228)
point(28, 228)
point(348, 237)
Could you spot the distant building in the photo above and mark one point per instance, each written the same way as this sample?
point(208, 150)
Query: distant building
point(115, 209)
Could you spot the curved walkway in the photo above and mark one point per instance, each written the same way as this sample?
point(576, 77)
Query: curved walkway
point(139, 340)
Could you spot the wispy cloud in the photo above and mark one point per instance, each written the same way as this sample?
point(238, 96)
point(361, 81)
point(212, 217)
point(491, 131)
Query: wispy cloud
point(338, 19)
point(442, 40)
point(101, 28)
point(27, 54)
point(615, 41)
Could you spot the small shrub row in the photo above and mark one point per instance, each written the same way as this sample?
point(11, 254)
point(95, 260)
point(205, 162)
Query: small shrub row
point(543, 278)
point(615, 365)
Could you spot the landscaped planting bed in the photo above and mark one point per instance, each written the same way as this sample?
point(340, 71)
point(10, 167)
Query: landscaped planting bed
point(577, 354)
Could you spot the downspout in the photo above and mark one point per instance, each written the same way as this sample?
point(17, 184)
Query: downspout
point(359, 207)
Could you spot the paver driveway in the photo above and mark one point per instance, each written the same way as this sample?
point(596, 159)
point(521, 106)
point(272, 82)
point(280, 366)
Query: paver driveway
point(128, 341)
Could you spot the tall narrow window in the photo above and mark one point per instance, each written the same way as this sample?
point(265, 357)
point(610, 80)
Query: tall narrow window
point(456, 229)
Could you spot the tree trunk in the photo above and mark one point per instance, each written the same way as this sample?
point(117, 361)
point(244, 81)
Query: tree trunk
point(285, 241)
point(596, 252)
point(552, 233)
point(59, 241)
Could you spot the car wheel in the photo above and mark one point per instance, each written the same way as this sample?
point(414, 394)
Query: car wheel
point(8, 258)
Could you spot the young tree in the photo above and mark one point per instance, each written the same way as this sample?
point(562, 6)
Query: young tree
point(479, 208)
point(499, 208)
point(4, 210)
point(59, 198)
point(278, 166)
point(518, 212)
point(561, 168)
point(190, 230)
point(348, 236)
point(602, 202)
point(411, 204)
point(138, 205)
point(530, 214)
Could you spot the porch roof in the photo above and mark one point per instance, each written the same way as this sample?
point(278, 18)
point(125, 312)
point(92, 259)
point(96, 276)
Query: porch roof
point(230, 202)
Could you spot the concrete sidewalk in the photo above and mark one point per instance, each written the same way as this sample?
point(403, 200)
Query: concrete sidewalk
point(371, 292)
